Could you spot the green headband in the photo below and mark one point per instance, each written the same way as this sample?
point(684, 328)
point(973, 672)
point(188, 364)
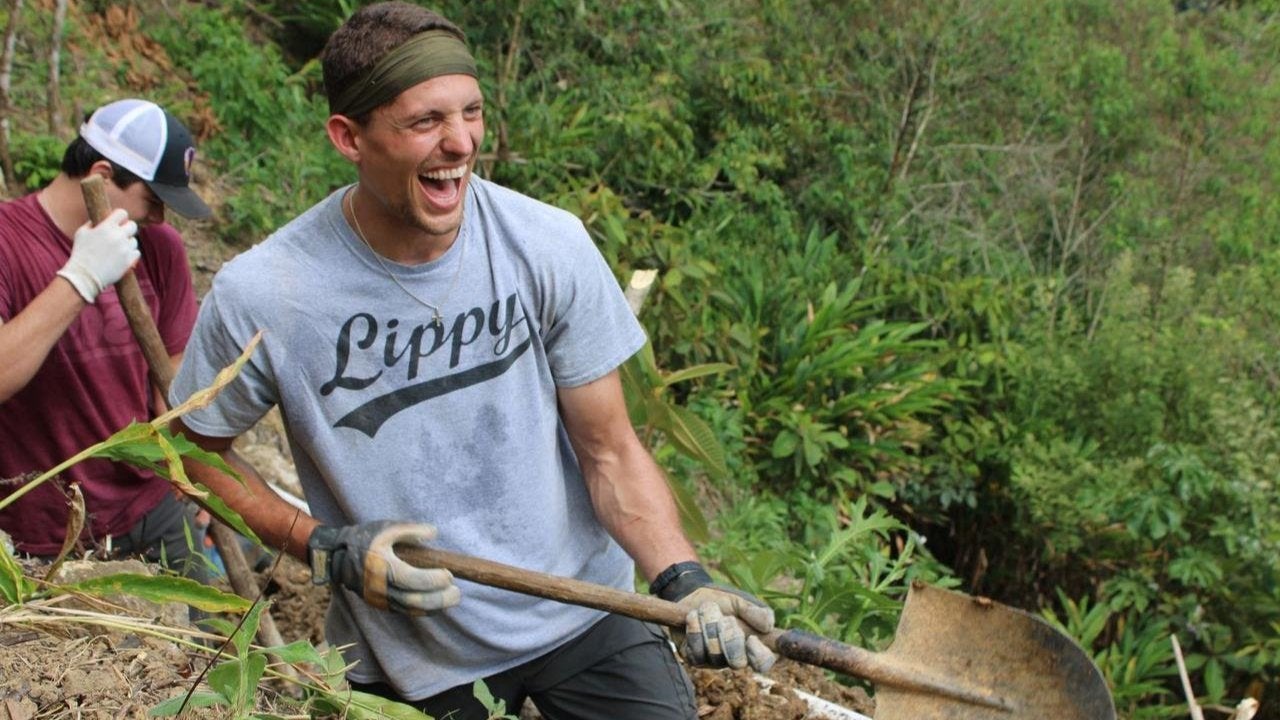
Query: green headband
point(421, 57)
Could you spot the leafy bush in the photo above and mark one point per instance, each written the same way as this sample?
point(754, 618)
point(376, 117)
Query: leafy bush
point(272, 147)
point(37, 159)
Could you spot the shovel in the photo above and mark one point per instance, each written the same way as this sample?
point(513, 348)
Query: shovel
point(954, 656)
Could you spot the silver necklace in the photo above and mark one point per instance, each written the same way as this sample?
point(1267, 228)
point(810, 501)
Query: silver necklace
point(436, 317)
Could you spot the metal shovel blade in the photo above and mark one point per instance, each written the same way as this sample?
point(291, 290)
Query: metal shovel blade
point(1016, 656)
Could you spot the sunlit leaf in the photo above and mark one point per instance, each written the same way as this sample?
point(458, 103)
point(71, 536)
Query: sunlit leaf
point(160, 589)
point(696, 371)
point(15, 588)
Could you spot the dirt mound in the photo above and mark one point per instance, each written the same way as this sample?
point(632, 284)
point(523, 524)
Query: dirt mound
point(100, 676)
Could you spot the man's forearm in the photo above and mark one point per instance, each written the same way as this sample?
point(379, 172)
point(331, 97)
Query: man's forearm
point(634, 503)
point(277, 522)
point(26, 339)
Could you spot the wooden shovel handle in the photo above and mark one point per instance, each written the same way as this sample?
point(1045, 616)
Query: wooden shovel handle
point(135, 307)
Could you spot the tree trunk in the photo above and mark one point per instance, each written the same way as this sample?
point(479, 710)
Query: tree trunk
point(6, 78)
point(55, 63)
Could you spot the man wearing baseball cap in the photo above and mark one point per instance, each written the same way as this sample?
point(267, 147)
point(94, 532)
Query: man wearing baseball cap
point(71, 373)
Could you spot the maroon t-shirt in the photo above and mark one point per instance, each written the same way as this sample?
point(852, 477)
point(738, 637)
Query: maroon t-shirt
point(93, 383)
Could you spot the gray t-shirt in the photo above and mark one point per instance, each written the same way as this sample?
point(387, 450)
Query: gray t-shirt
point(392, 417)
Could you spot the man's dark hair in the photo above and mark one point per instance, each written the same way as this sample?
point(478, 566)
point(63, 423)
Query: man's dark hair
point(80, 156)
point(368, 35)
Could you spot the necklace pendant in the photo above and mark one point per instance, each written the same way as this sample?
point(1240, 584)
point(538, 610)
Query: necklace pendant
point(437, 319)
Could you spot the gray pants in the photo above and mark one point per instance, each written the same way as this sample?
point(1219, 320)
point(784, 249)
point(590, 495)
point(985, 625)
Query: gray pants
point(161, 536)
point(620, 668)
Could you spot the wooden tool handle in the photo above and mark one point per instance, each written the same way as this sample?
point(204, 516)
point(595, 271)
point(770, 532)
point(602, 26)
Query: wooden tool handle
point(552, 587)
point(135, 307)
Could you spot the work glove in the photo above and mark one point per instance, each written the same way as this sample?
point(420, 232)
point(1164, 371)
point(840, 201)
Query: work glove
point(713, 634)
point(362, 559)
point(100, 254)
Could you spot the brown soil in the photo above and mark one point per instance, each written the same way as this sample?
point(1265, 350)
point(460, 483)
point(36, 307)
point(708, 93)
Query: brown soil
point(107, 675)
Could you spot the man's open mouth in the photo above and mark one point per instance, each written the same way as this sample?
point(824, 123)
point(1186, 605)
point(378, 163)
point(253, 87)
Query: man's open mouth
point(442, 186)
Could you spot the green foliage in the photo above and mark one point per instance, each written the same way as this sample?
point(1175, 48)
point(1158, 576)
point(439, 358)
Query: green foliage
point(1138, 660)
point(652, 410)
point(148, 445)
point(657, 417)
point(271, 147)
point(233, 682)
point(497, 708)
point(843, 395)
point(15, 587)
point(842, 577)
point(36, 158)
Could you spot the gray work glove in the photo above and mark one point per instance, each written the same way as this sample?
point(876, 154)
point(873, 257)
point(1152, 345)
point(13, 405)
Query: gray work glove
point(100, 254)
point(713, 635)
point(361, 559)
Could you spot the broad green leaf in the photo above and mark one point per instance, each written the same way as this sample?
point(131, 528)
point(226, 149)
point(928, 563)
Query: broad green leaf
point(248, 629)
point(694, 437)
point(697, 371)
point(218, 625)
point(174, 470)
point(199, 699)
point(644, 362)
point(237, 680)
point(195, 452)
point(1214, 682)
point(254, 668)
point(299, 651)
point(335, 666)
point(785, 444)
point(160, 589)
point(691, 517)
point(493, 705)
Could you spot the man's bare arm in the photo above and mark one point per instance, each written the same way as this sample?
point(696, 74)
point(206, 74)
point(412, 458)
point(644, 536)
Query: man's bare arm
point(275, 521)
point(25, 341)
point(628, 489)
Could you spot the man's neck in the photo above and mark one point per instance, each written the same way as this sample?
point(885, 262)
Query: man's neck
point(64, 202)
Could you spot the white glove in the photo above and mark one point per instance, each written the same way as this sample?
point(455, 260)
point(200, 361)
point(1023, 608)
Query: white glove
point(100, 254)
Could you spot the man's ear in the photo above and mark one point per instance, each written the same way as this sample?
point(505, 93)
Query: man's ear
point(344, 133)
point(101, 168)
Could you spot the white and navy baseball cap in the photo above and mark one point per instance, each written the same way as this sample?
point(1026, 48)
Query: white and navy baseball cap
point(146, 140)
